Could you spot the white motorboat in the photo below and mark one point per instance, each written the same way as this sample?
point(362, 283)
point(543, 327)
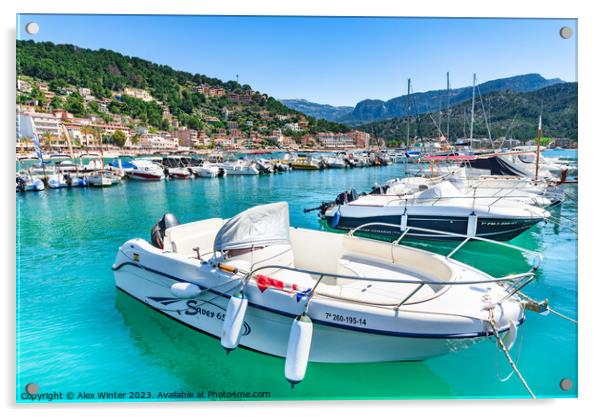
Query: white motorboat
point(439, 207)
point(315, 296)
point(207, 170)
point(280, 166)
point(239, 167)
point(94, 165)
point(104, 178)
point(99, 180)
point(57, 181)
point(178, 173)
point(67, 166)
point(483, 189)
point(506, 164)
point(28, 183)
point(74, 180)
point(145, 170)
point(175, 167)
point(554, 166)
point(335, 162)
point(264, 166)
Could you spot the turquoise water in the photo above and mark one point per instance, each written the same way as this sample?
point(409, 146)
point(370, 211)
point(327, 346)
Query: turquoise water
point(75, 332)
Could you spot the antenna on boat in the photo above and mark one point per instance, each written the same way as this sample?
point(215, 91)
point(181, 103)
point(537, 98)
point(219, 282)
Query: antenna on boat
point(405, 165)
point(408, 114)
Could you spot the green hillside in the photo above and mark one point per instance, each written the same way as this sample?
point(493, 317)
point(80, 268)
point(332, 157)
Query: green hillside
point(107, 72)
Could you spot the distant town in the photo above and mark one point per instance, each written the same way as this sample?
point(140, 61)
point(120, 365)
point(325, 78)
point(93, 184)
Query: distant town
point(58, 129)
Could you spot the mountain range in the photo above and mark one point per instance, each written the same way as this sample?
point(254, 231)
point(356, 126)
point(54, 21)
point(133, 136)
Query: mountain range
point(423, 102)
point(319, 111)
point(509, 113)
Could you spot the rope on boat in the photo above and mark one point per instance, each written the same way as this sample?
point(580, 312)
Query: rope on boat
point(570, 196)
point(201, 301)
point(562, 316)
point(520, 346)
point(507, 353)
point(557, 221)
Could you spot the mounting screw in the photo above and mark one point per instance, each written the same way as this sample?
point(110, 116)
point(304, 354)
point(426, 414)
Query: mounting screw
point(566, 32)
point(32, 28)
point(566, 384)
point(32, 388)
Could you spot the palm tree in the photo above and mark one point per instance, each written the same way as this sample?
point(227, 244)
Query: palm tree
point(98, 138)
point(46, 139)
point(87, 131)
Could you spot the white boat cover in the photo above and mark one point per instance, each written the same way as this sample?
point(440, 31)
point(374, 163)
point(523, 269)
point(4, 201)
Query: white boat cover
point(258, 226)
point(444, 189)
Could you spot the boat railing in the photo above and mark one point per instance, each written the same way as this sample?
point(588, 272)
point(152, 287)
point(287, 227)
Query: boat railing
point(474, 198)
point(534, 258)
point(513, 282)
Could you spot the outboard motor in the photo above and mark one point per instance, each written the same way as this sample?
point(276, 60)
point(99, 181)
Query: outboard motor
point(379, 189)
point(21, 184)
point(346, 197)
point(158, 231)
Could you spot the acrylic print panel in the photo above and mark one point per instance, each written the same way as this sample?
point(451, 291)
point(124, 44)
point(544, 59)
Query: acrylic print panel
point(428, 166)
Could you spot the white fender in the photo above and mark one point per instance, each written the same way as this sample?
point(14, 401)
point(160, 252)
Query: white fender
point(297, 352)
point(233, 322)
point(185, 290)
point(510, 337)
point(404, 221)
point(471, 229)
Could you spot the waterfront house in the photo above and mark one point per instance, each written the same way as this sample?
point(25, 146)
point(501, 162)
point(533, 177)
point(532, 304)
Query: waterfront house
point(335, 140)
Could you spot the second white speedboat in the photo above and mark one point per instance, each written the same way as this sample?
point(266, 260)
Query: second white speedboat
point(439, 207)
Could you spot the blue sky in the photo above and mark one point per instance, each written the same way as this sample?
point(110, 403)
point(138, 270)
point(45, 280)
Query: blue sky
point(332, 60)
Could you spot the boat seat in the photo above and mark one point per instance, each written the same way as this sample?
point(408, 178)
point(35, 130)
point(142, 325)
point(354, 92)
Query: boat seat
point(379, 292)
point(184, 238)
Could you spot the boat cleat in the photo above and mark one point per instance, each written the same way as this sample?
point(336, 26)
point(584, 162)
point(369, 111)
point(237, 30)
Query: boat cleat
point(540, 307)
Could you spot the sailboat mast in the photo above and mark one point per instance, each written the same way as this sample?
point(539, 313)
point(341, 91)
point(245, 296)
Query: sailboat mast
point(474, 83)
point(538, 146)
point(448, 109)
point(408, 115)
point(102, 156)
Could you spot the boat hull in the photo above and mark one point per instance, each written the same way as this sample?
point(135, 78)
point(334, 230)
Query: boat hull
point(204, 172)
point(267, 331)
point(500, 229)
point(100, 181)
point(305, 167)
point(145, 176)
point(179, 176)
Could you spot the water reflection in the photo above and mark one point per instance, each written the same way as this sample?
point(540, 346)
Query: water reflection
point(201, 363)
